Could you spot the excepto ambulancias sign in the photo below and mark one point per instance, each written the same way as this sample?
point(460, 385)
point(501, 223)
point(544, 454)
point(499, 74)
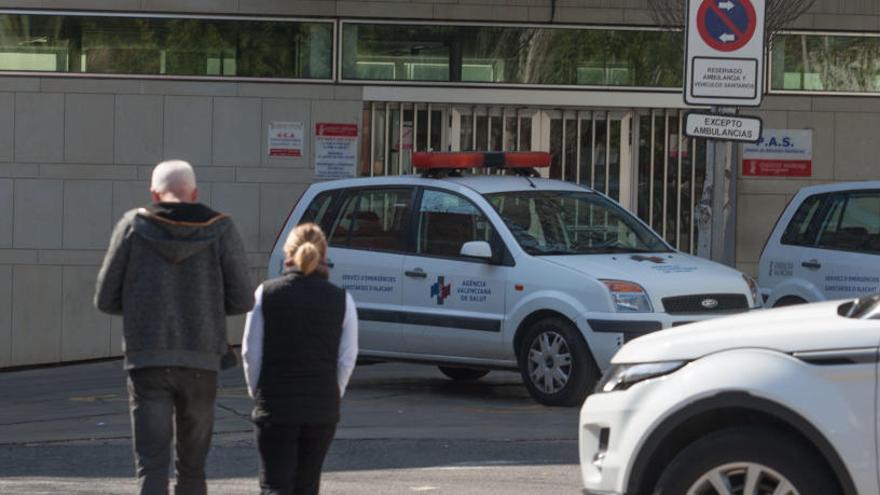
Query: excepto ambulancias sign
point(723, 127)
point(724, 63)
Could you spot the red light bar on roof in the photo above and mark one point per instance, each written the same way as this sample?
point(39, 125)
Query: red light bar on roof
point(471, 159)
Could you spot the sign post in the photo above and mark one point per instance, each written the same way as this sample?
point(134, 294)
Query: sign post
point(724, 69)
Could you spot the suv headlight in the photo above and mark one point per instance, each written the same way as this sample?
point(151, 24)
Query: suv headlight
point(757, 300)
point(628, 297)
point(624, 376)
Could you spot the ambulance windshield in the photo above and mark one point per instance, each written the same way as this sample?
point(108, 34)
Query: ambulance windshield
point(572, 222)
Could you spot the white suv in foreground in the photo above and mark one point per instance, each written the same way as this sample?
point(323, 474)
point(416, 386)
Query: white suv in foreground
point(480, 272)
point(780, 401)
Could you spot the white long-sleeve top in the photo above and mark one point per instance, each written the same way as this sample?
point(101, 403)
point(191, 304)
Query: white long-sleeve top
point(252, 345)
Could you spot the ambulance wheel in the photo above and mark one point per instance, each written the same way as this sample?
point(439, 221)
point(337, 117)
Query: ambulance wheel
point(463, 374)
point(556, 363)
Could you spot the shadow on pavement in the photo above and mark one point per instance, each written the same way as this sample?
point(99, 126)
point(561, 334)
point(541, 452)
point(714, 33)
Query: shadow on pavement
point(238, 458)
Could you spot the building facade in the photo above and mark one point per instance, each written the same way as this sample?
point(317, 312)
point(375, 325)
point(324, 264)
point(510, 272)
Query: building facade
point(93, 93)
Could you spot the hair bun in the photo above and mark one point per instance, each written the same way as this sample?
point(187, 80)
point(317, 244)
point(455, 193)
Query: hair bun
point(307, 257)
point(305, 248)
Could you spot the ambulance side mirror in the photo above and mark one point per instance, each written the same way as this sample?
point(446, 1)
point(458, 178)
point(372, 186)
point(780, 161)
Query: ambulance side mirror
point(477, 249)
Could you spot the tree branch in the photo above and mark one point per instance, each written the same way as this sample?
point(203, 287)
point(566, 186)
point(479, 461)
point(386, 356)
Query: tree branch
point(670, 14)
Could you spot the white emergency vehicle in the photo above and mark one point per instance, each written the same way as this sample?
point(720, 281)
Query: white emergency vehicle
point(826, 245)
point(497, 268)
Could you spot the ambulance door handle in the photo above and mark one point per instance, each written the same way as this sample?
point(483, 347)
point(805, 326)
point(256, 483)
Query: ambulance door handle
point(812, 264)
point(417, 273)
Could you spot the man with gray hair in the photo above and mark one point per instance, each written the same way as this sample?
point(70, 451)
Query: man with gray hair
point(174, 270)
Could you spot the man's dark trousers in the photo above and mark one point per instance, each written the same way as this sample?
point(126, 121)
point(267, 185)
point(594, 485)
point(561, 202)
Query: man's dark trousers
point(165, 401)
point(291, 457)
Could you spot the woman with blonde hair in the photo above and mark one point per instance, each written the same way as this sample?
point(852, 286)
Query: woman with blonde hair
point(300, 347)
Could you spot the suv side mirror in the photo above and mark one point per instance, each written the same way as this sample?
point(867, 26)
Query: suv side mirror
point(477, 249)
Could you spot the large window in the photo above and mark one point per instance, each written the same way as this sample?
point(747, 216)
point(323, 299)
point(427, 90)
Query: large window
point(511, 55)
point(826, 63)
point(166, 46)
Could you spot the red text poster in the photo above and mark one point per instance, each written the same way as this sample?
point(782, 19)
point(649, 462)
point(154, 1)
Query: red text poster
point(335, 151)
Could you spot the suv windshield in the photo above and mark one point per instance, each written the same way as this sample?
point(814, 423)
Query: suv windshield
point(572, 222)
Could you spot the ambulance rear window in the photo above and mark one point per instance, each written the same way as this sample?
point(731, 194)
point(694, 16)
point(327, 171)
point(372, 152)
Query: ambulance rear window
point(802, 229)
point(319, 211)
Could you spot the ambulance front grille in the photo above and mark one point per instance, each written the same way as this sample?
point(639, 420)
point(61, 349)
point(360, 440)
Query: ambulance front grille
point(706, 303)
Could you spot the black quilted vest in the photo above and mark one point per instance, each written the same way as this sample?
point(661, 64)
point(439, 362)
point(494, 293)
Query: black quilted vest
point(303, 325)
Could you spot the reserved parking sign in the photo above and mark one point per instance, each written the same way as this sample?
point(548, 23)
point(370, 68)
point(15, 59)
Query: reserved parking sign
point(725, 52)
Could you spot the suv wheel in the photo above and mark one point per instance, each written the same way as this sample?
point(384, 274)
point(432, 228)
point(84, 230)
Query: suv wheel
point(556, 364)
point(747, 460)
point(463, 374)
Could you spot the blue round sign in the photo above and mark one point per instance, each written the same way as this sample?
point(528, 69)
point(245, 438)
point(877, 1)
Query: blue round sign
point(726, 25)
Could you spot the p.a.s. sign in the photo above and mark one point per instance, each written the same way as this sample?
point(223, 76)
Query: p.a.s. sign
point(780, 153)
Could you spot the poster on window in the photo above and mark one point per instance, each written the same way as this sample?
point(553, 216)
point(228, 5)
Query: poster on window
point(406, 137)
point(678, 148)
point(286, 139)
point(335, 151)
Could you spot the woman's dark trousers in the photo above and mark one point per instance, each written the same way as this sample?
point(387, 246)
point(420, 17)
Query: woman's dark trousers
point(291, 457)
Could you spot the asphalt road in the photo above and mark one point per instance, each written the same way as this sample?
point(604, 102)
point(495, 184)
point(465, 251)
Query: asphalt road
point(406, 429)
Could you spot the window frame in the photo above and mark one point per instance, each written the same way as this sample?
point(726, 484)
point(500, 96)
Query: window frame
point(353, 194)
point(165, 77)
point(500, 253)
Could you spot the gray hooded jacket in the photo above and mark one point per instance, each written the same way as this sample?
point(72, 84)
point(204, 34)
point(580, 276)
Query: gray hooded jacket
point(174, 271)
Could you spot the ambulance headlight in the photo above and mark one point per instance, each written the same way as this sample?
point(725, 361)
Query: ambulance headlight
point(757, 300)
point(628, 297)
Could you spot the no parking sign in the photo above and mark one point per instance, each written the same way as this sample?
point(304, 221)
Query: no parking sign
point(725, 52)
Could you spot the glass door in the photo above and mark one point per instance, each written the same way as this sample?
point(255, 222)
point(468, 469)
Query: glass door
point(481, 128)
point(392, 131)
point(593, 148)
point(638, 157)
point(671, 172)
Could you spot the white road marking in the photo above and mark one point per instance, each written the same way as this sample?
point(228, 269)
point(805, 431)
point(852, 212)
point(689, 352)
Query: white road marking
point(477, 466)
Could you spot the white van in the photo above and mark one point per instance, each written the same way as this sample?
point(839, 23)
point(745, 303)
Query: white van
point(826, 245)
point(481, 272)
